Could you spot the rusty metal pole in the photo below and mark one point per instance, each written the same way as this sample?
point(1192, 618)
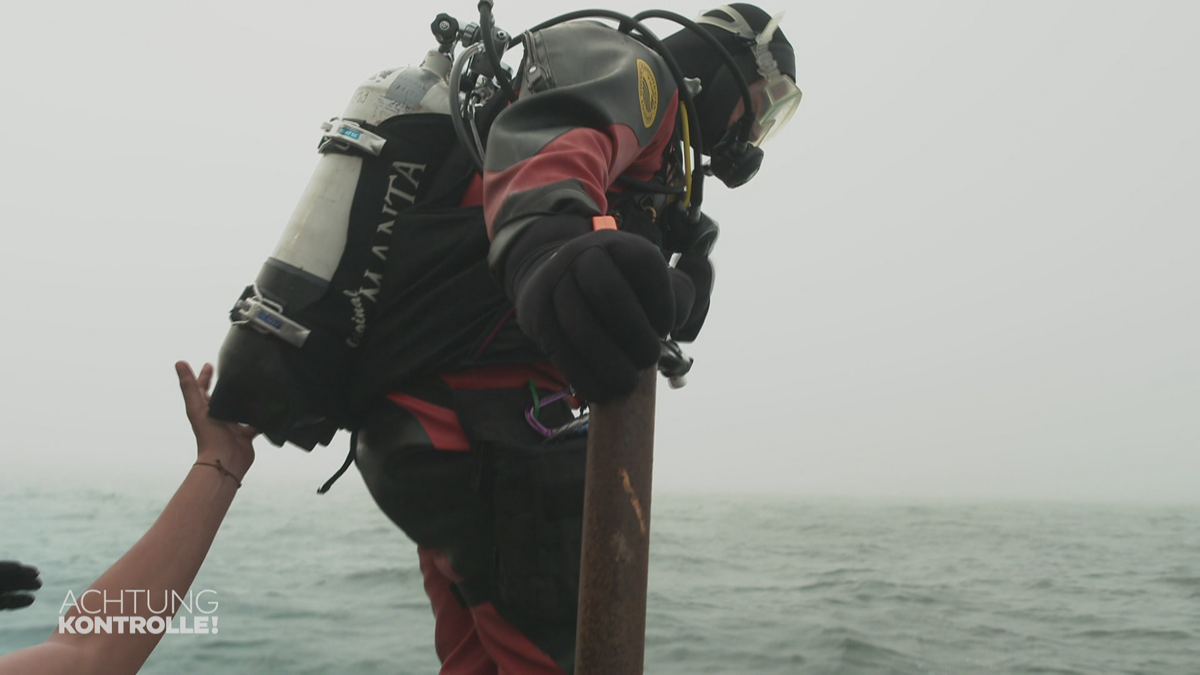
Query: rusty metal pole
point(611, 635)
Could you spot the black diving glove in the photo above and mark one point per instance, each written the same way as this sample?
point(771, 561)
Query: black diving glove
point(597, 303)
point(16, 578)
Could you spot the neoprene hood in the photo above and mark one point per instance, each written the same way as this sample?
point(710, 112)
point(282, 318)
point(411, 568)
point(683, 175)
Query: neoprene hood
point(720, 93)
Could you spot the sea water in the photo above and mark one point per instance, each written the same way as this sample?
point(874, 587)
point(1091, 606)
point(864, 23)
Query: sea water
point(754, 585)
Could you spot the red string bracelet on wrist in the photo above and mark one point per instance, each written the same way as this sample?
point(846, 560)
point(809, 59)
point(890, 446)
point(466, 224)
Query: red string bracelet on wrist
point(222, 469)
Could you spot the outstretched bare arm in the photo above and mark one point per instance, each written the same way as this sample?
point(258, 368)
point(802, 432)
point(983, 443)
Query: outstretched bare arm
point(167, 558)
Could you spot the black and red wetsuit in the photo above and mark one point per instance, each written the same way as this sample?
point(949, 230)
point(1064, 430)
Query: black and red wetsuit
point(448, 454)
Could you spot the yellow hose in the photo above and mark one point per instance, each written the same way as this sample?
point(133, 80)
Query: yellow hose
point(687, 158)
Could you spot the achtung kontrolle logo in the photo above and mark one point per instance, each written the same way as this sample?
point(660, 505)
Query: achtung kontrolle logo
point(139, 612)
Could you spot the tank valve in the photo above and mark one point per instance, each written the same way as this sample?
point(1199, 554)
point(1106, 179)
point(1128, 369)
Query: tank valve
point(445, 31)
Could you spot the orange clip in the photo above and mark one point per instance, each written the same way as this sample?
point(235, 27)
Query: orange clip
point(603, 223)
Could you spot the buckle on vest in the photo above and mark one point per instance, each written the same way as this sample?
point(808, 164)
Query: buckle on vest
point(267, 317)
point(341, 135)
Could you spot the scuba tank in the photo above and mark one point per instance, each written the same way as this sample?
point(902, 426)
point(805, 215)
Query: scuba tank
point(288, 358)
point(314, 240)
point(315, 235)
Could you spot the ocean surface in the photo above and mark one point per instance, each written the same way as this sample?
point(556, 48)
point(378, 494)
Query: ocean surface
point(745, 585)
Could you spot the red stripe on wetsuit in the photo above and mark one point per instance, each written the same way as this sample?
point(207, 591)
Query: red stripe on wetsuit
point(592, 156)
point(442, 425)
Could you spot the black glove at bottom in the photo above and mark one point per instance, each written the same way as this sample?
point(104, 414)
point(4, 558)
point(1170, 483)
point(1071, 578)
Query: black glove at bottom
point(14, 578)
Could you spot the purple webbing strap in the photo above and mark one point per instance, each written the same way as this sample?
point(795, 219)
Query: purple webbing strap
point(552, 398)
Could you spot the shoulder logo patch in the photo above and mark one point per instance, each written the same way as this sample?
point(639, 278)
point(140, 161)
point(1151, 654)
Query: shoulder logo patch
point(647, 93)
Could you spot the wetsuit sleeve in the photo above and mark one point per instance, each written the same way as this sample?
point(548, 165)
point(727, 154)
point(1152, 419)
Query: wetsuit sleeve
point(596, 105)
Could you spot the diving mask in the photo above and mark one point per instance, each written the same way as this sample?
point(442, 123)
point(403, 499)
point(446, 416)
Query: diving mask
point(775, 95)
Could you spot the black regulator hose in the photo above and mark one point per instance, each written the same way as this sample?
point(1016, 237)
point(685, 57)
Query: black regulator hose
point(491, 51)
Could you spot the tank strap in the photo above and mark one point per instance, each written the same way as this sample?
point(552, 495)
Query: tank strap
point(345, 465)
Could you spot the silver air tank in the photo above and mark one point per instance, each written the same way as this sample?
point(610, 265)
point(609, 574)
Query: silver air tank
point(260, 382)
point(315, 236)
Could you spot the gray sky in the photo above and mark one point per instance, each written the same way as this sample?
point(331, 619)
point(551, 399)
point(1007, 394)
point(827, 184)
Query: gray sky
point(968, 269)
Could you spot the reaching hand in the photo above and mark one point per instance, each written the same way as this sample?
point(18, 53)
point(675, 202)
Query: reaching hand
point(228, 442)
point(15, 578)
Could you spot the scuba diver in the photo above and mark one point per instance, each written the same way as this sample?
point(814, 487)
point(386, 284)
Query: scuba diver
point(481, 252)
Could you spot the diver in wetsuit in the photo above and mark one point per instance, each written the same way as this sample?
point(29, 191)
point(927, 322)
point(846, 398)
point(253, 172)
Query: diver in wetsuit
point(450, 456)
point(469, 310)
